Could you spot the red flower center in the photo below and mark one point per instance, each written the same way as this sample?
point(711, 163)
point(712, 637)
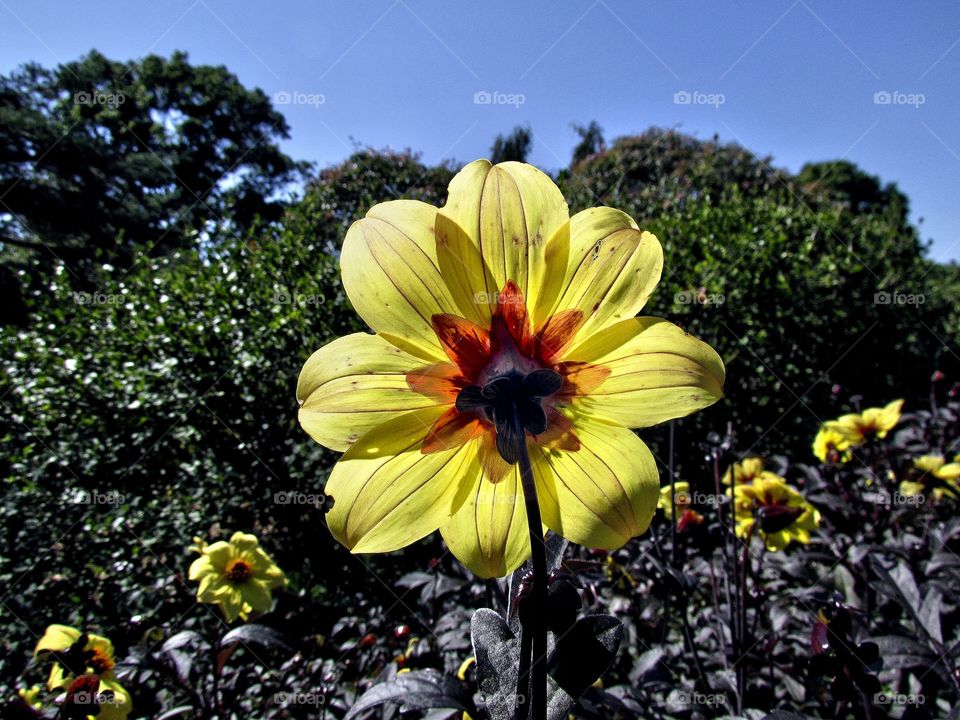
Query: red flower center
point(508, 363)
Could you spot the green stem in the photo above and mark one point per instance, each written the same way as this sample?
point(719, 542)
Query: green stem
point(537, 702)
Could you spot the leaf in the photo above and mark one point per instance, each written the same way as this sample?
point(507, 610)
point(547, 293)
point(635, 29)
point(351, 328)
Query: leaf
point(257, 635)
point(180, 711)
point(498, 662)
point(929, 614)
point(585, 652)
point(246, 635)
point(181, 661)
point(416, 691)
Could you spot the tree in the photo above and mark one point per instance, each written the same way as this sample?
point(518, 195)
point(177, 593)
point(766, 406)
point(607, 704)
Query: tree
point(591, 142)
point(515, 146)
point(100, 158)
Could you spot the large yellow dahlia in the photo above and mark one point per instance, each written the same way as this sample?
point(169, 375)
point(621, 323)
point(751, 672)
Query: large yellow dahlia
point(499, 321)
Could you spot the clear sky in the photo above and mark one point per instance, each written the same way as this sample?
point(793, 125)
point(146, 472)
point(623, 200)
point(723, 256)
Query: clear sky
point(795, 79)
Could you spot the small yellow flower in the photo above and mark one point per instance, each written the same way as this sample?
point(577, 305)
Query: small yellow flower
point(871, 423)
point(31, 696)
point(237, 575)
point(498, 300)
point(940, 478)
point(746, 471)
point(777, 510)
point(830, 445)
point(679, 504)
point(95, 658)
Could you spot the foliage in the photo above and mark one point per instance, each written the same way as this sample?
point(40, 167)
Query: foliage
point(101, 157)
point(798, 291)
point(153, 400)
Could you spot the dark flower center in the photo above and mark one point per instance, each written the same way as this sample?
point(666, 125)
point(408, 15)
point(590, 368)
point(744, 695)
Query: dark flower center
point(774, 518)
point(238, 572)
point(513, 403)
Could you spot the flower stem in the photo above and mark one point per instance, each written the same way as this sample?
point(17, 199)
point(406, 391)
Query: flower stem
point(537, 617)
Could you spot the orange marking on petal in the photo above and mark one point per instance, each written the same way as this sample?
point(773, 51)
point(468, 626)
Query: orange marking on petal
point(495, 468)
point(452, 430)
point(512, 310)
point(581, 378)
point(442, 381)
point(559, 434)
point(556, 334)
point(465, 343)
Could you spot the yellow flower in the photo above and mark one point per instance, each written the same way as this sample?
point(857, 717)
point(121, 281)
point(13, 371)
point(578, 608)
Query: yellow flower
point(237, 575)
point(94, 658)
point(775, 509)
point(31, 696)
point(746, 471)
point(830, 445)
point(498, 299)
point(683, 502)
point(871, 423)
point(939, 477)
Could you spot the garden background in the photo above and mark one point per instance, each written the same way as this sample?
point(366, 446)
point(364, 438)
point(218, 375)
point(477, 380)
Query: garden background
point(166, 267)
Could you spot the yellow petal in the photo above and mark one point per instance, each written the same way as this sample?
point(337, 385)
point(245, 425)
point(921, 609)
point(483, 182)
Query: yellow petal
point(257, 595)
point(657, 372)
point(509, 211)
point(391, 275)
point(612, 268)
point(469, 280)
point(57, 638)
point(387, 494)
point(602, 494)
point(489, 532)
point(119, 706)
point(353, 384)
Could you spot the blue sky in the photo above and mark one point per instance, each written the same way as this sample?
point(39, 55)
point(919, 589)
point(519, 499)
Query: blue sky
point(795, 79)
